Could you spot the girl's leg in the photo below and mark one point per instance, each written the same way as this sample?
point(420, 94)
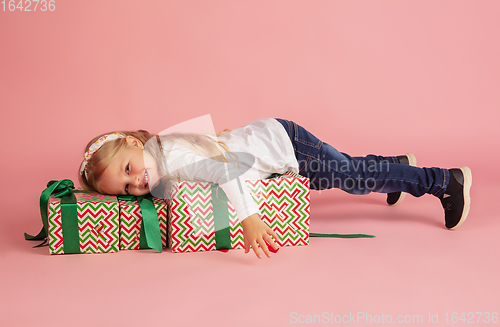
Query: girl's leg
point(377, 159)
point(393, 198)
point(326, 168)
point(362, 175)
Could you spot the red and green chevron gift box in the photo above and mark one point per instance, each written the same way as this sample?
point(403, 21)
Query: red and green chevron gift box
point(284, 204)
point(130, 223)
point(97, 225)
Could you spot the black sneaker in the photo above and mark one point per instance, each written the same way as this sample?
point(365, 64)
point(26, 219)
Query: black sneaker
point(396, 197)
point(456, 198)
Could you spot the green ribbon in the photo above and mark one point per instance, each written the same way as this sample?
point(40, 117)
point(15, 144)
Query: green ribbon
point(150, 236)
point(61, 189)
point(69, 221)
point(221, 218)
point(274, 175)
point(341, 235)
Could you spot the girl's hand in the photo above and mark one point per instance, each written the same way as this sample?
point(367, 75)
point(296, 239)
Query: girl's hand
point(255, 233)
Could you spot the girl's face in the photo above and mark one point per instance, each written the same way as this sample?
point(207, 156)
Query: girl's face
point(131, 171)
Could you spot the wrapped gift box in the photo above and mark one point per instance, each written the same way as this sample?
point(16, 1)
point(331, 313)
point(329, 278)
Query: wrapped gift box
point(130, 223)
point(96, 225)
point(284, 204)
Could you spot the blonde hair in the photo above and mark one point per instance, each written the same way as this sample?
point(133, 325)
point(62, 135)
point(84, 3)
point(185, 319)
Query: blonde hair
point(201, 144)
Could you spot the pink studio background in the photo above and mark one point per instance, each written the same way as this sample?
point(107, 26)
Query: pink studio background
point(384, 77)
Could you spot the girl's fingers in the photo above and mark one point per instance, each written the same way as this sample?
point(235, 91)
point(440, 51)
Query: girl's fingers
point(255, 248)
point(247, 244)
point(270, 240)
point(264, 248)
point(274, 234)
point(265, 242)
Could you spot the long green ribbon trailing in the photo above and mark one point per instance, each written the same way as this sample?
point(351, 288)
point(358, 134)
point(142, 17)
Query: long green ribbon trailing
point(221, 218)
point(150, 236)
point(341, 235)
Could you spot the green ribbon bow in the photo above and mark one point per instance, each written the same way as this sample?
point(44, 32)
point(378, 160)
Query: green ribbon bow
point(62, 189)
point(150, 237)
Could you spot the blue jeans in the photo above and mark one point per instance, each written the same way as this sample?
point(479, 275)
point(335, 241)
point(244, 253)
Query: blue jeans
point(327, 168)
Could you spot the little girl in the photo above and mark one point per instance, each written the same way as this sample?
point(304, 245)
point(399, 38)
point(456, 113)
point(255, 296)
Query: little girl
point(138, 163)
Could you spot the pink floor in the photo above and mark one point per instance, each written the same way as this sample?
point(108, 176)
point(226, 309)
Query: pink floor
point(414, 266)
point(383, 77)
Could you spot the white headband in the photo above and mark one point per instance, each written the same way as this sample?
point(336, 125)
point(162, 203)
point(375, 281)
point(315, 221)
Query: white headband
point(96, 146)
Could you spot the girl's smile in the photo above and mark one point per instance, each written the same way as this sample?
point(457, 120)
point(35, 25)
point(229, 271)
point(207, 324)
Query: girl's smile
point(131, 171)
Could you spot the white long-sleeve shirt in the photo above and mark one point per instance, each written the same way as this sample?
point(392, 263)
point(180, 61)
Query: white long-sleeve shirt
point(263, 148)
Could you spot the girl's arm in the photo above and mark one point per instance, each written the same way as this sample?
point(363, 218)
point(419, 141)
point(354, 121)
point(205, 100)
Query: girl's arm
point(256, 232)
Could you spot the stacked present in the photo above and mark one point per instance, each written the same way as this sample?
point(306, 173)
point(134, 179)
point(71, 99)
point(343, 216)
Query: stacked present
point(131, 221)
point(95, 228)
point(199, 218)
point(75, 221)
point(202, 219)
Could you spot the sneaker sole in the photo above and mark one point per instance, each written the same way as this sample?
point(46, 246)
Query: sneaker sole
point(467, 185)
point(412, 161)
